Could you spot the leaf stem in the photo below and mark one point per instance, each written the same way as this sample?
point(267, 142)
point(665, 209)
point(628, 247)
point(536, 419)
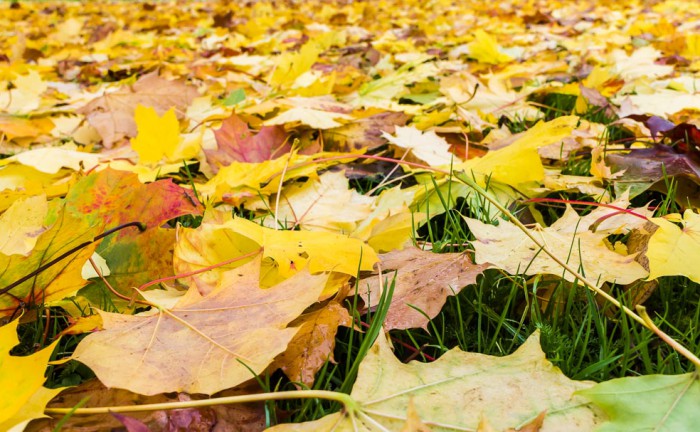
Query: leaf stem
point(348, 402)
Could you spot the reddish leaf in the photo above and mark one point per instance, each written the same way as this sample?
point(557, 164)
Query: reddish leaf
point(652, 164)
point(424, 280)
point(131, 424)
point(237, 143)
point(117, 197)
point(99, 202)
point(655, 124)
point(237, 417)
point(366, 132)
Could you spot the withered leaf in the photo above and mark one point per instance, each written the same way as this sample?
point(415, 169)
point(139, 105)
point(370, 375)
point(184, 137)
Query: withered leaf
point(424, 280)
point(204, 344)
point(113, 113)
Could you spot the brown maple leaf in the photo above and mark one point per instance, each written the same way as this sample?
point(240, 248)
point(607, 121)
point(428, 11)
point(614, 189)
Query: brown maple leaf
point(424, 280)
point(113, 113)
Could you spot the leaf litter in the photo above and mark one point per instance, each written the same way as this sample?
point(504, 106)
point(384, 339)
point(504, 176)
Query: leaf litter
point(173, 147)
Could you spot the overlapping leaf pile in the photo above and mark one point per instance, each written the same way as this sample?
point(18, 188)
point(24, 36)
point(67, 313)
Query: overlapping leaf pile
point(220, 146)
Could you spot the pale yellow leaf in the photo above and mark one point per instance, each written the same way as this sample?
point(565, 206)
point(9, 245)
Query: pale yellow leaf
point(21, 225)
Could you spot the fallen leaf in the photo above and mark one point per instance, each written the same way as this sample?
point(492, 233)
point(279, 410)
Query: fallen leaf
point(98, 202)
point(237, 143)
point(426, 146)
point(485, 49)
point(51, 160)
point(314, 118)
point(28, 395)
point(364, 132)
point(313, 205)
point(113, 113)
point(289, 251)
point(132, 261)
point(219, 340)
point(424, 280)
point(664, 403)
point(580, 248)
point(457, 390)
point(158, 137)
point(22, 224)
point(239, 417)
point(672, 250)
point(520, 162)
point(313, 345)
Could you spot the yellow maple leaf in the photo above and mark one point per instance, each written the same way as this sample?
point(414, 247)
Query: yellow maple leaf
point(295, 250)
point(520, 162)
point(484, 49)
point(673, 250)
point(221, 238)
point(159, 137)
point(291, 66)
point(26, 397)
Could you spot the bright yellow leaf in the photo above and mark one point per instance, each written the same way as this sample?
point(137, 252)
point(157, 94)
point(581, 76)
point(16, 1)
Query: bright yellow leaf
point(674, 250)
point(158, 137)
point(520, 162)
point(22, 382)
point(295, 250)
point(484, 49)
point(291, 66)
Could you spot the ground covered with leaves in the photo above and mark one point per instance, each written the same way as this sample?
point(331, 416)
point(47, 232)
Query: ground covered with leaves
point(451, 216)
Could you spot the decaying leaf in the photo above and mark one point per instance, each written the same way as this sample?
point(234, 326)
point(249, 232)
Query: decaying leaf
point(313, 205)
point(459, 389)
point(113, 113)
point(204, 344)
point(426, 146)
point(424, 280)
point(313, 345)
point(237, 143)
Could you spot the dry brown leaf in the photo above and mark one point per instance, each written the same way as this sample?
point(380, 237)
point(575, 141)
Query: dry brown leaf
point(113, 113)
point(204, 344)
point(424, 280)
point(313, 345)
